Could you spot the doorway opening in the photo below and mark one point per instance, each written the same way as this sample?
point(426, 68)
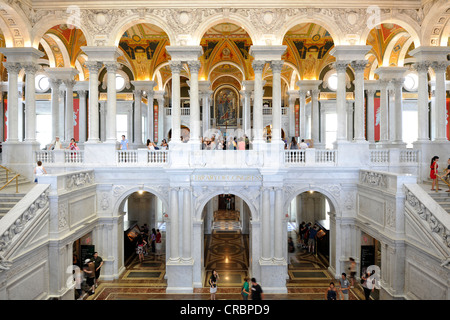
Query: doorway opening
point(227, 244)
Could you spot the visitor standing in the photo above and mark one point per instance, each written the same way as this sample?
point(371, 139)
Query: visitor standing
point(213, 284)
point(98, 263)
point(73, 145)
point(312, 239)
point(56, 145)
point(39, 170)
point(293, 145)
point(158, 244)
point(368, 284)
point(89, 271)
point(303, 145)
point(257, 291)
point(344, 286)
point(434, 173)
point(140, 243)
point(123, 143)
point(331, 293)
point(352, 270)
point(153, 240)
point(245, 291)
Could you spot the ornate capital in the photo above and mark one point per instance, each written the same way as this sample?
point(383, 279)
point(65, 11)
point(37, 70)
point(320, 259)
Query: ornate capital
point(137, 94)
point(422, 66)
point(302, 93)
point(383, 83)
point(112, 66)
point(69, 83)
point(341, 66)
point(440, 66)
point(315, 93)
point(93, 66)
point(359, 65)
point(175, 66)
point(194, 66)
point(370, 92)
point(276, 65)
point(82, 93)
point(13, 67)
point(258, 66)
point(54, 83)
point(31, 68)
point(398, 82)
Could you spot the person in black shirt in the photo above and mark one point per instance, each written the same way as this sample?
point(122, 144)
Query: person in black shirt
point(447, 174)
point(257, 292)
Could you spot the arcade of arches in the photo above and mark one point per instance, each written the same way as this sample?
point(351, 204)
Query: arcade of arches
point(190, 120)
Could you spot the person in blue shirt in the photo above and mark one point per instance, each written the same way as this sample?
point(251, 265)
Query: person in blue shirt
point(124, 143)
point(312, 238)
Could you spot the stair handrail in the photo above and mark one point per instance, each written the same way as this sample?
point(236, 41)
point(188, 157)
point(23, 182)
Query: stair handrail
point(445, 181)
point(436, 217)
point(7, 170)
point(17, 183)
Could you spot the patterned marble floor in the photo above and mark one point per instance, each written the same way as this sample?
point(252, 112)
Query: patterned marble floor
point(226, 250)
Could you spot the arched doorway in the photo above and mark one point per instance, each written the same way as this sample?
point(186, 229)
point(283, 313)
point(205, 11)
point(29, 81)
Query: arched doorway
point(143, 212)
point(311, 238)
point(227, 240)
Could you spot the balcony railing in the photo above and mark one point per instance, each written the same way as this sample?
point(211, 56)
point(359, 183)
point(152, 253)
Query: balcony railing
point(382, 159)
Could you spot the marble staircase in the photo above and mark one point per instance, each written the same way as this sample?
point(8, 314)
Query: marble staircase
point(8, 196)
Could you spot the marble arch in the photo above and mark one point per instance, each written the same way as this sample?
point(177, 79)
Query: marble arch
point(48, 22)
point(219, 18)
point(323, 21)
point(203, 199)
point(234, 64)
point(408, 24)
point(434, 29)
point(132, 20)
point(123, 193)
point(334, 203)
point(14, 25)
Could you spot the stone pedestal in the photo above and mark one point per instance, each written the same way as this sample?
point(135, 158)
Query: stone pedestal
point(19, 157)
point(180, 275)
point(273, 276)
point(100, 153)
point(352, 154)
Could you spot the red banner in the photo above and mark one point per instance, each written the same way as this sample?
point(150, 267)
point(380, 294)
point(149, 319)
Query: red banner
point(297, 120)
point(448, 118)
point(76, 118)
point(377, 118)
point(5, 119)
point(155, 123)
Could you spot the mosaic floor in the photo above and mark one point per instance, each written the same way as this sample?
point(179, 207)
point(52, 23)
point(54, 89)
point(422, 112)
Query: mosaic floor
point(226, 250)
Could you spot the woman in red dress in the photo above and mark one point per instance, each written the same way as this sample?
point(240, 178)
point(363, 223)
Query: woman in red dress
point(434, 173)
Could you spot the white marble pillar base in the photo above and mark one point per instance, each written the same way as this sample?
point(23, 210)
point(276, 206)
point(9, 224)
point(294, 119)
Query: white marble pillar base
point(348, 153)
point(273, 276)
point(100, 153)
point(180, 276)
point(19, 157)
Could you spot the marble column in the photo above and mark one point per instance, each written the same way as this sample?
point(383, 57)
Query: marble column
point(187, 223)
point(398, 111)
point(258, 66)
point(440, 101)
point(206, 114)
point(371, 115)
point(391, 110)
point(276, 66)
point(159, 95)
point(422, 102)
point(174, 232)
point(62, 112)
point(13, 69)
point(82, 116)
point(93, 130)
point(266, 232)
point(55, 84)
point(293, 96)
point(30, 102)
point(278, 225)
point(315, 124)
point(247, 93)
point(111, 111)
point(137, 138)
point(175, 67)
point(341, 108)
point(350, 110)
point(150, 113)
point(384, 115)
point(194, 118)
point(302, 110)
point(69, 109)
point(359, 67)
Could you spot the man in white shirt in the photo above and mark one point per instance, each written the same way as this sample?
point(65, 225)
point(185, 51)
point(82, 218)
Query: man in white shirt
point(303, 145)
